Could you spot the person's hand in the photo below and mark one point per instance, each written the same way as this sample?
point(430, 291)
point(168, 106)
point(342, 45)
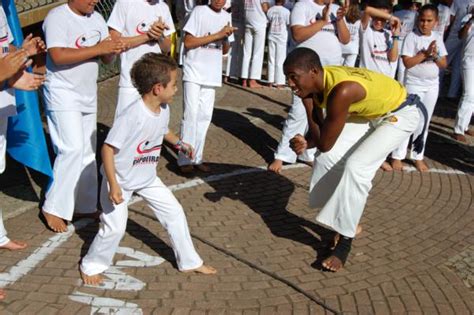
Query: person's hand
point(157, 29)
point(298, 144)
point(12, 63)
point(187, 149)
point(115, 194)
point(26, 81)
point(431, 51)
point(395, 26)
point(33, 45)
point(341, 12)
point(111, 46)
point(226, 31)
point(327, 11)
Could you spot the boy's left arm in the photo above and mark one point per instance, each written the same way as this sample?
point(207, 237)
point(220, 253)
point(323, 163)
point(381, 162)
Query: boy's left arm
point(392, 54)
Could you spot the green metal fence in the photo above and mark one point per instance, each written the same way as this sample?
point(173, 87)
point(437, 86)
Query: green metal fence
point(104, 7)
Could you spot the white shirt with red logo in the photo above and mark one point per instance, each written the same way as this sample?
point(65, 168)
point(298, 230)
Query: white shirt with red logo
point(7, 95)
point(203, 65)
point(374, 48)
point(138, 136)
point(73, 86)
point(132, 18)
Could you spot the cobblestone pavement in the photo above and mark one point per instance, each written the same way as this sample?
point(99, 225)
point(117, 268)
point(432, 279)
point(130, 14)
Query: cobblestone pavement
point(415, 255)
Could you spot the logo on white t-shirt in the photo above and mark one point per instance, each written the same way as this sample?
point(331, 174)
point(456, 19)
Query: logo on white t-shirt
point(143, 148)
point(213, 45)
point(142, 28)
point(88, 39)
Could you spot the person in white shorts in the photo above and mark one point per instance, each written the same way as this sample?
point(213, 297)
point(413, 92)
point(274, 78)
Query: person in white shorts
point(350, 51)
point(466, 105)
point(145, 26)
point(76, 36)
point(407, 17)
point(235, 54)
point(322, 28)
point(423, 54)
point(279, 19)
point(208, 34)
point(130, 154)
point(367, 116)
point(254, 41)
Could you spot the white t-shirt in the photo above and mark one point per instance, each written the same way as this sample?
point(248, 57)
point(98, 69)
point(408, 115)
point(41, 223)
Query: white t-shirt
point(72, 87)
point(353, 46)
point(138, 135)
point(279, 19)
point(374, 48)
point(407, 17)
point(7, 96)
point(468, 43)
point(133, 19)
point(203, 65)
point(254, 15)
point(424, 74)
point(325, 42)
point(444, 18)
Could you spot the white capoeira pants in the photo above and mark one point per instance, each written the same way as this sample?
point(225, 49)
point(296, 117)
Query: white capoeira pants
point(114, 223)
point(75, 169)
point(254, 46)
point(466, 105)
point(126, 96)
point(428, 96)
point(296, 123)
point(234, 56)
point(276, 58)
point(3, 147)
point(342, 177)
point(349, 60)
point(197, 116)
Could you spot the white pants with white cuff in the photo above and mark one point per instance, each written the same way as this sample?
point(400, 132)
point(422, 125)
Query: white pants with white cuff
point(114, 223)
point(342, 177)
point(197, 116)
point(254, 46)
point(428, 96)
point(276, 58)
point(466, 105)
point(126, 96)
point(75, 169)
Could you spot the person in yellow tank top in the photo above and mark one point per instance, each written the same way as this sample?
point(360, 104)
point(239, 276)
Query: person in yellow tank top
point(366, 115)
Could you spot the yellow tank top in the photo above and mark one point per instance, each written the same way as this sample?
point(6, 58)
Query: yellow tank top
point(383, 94)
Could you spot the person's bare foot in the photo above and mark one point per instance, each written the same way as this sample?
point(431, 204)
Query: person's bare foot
point(55, 223)
point(204, 269)
point(244, 83)
point(421, 166)
point(276, 166)
point(469, 132)
point(339, 255)
point(226, 79)
point(386, 167)
point(280, 86)
point(97, 279)
point(459, 137)
point(14, 245)
point(3, 294)
point(253, 84)
point(186, 169)
point(397, 165)
point(270, 85)
point(332, 263)
point(203, 167)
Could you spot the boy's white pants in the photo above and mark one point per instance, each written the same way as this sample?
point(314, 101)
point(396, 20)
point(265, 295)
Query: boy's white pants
point(234, 56)
point(428, 96)
point(296, 123)
point(342, 177)
point(75, 170)
point(349, 60)
point(198, 107)
point(114, 223)
point(466, 105)
point(276, 58)
point(254, 46)
point(126, 96)
point(3, 147)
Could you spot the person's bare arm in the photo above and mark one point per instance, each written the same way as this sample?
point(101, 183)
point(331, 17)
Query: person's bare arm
point(343, 33)
point(115, 192)
point(191, 41)
point(301, 33)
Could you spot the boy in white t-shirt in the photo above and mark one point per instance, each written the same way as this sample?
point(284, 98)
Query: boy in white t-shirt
point(76, 37)
point(145, 26)
point(423, 54)
point(208, 33)
point(466, 105)
point(378, 46)
point(279, 19)
point(254, 41)
point(130, 154)
point(321, 27)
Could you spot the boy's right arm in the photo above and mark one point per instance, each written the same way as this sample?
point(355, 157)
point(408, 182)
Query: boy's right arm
point(115, 192)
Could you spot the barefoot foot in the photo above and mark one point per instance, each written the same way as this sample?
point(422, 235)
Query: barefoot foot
point(459, 137)
point(253, 84)
point(14, 245)
point(332, 263)
point(421, 166)
point(276, 166)
point(397, 165)
point(204, 269)
point(91, 280)
point(386, 167)
point(244, 83)
point(337, 236)
point(339, 255)
point(55, 223)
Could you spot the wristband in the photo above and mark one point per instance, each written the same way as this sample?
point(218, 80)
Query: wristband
point(395, 37)
point(179, 145)
point(437, 57)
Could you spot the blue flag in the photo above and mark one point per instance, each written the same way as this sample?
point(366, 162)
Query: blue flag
point(25, 137)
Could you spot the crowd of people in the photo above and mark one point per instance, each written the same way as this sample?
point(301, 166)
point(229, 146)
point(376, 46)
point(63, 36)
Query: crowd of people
point(340, 60)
